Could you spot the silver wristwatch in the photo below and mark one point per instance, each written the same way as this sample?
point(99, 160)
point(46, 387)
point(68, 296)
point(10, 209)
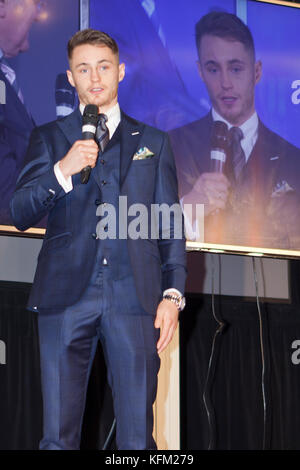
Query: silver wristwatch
point(178, 300)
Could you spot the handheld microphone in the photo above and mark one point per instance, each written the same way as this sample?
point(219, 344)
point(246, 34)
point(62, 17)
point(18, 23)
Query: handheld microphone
point(89, 126)
point(219, 144)
point(64, 96)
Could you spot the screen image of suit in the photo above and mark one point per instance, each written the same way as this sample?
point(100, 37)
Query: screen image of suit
point(90, 288)
point(154, 90)
point(262, 206)
point(15, 128)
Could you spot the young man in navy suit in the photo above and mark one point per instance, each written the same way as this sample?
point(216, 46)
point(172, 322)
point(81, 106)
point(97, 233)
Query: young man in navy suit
point(119, 290)
point(254, 199)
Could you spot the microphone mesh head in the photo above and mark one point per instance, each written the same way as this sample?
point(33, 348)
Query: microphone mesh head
point(219, 135)
point(90, 115)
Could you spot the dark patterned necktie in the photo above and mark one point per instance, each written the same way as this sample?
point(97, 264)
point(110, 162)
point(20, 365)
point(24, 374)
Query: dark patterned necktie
point(102, 134)
point(237, 152)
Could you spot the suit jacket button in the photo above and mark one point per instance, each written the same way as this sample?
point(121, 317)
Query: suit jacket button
point(97, 202)
point(94, 235)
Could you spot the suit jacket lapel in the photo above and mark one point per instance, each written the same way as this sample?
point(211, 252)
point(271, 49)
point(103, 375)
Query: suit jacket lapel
point(263, 153)
point(131, 132)
point(71, 126)
point(262, 164)
point(96, 173)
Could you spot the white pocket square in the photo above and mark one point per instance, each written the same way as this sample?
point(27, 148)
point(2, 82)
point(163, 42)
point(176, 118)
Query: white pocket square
point(143, 153)
point(281, 188)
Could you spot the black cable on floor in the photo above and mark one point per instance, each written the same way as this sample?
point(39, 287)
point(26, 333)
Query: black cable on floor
point(216, 343)
point(264, 378)
point(110, 435)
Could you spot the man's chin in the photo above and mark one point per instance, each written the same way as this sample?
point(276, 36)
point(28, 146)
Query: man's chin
point(97, 101)
point(232, 118)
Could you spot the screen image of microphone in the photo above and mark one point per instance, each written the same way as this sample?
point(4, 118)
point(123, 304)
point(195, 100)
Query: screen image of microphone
point(219, 145)
point(89, 126)
point(64, 96)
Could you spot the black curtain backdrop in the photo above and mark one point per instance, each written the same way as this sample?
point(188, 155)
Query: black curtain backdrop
point(20, 387)
point(20, 391)
point(242, 415)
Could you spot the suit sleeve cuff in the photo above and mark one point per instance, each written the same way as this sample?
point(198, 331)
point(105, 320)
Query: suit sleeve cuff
point(66, 184)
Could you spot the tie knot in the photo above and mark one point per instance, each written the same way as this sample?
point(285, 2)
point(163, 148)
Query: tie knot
point(102, 118)
point(235, 134)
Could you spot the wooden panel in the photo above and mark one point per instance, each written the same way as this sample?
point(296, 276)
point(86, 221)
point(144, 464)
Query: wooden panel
point(166, 407)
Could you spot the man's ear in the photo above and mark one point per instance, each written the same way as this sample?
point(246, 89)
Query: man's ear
point(258, 71)
point(121, 71)
point(199, 69)
point(70, 78)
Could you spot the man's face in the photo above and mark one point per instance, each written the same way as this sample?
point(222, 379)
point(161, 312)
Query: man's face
point(230, 74)
point(16, 18)
point(96, 73)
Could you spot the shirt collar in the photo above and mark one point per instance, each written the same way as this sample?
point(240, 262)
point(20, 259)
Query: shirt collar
point(113, 117)
point(112, 113)
point(249, 128)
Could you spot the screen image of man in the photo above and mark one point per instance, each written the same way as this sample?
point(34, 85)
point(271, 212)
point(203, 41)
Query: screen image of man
point(120, 290)
point(16, 19)
point(246, 176)
point(154, 90)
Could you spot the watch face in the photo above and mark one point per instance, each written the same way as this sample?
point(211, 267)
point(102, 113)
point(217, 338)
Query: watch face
point(182, 303)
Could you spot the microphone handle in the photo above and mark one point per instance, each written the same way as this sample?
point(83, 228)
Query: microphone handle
point(218, 158)
point(217, 166)
point(86, 171)
point(85, 174)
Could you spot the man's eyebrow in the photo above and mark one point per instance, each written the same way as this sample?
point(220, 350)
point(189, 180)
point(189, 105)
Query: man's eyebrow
point(211, 62)
point(237, 61)
point(81, 63)
point(231, 62)
point(99, 62)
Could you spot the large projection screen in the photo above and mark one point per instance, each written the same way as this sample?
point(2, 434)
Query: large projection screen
point(254, 210)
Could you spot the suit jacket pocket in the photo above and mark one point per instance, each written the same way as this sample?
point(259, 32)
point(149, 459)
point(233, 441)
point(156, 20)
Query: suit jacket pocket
point(59, 241)
point(140, 180)
point(144, 161)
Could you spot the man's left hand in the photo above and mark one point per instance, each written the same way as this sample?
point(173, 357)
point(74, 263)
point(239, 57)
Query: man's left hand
point(167, 320)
